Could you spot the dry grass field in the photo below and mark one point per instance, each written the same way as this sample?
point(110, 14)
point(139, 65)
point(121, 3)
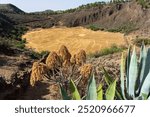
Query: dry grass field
point(74, 38)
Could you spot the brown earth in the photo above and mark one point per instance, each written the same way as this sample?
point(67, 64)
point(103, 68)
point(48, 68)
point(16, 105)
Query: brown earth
point(14, 74)
point(74, 38)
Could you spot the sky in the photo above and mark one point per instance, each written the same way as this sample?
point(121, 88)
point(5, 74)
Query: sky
point(41, 5)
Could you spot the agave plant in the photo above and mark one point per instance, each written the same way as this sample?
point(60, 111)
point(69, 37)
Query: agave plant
point(93, 93)
point(135, 75)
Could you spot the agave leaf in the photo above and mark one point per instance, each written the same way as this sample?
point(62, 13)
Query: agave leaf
point(108, 78)
point(146, 86)
point(142, 68)
point(64, 93)
point(100, 92)
point(92, 92)
point(133, 72)
point(74, 91)
point(147, 66)
point(118, 95)
point(141, 51)
point(127, 68)
point(138, 98)
point(148, 98)
point(109, 81)
point(110, 92)
point(122, 70)
point(144, 96)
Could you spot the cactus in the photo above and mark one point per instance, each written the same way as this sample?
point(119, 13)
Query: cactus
point(92, 92)
point(135, 76)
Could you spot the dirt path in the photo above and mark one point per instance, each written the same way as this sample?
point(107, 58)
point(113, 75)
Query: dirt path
point(74, 38)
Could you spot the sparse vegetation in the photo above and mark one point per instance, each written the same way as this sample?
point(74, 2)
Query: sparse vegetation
point(126, 28)
point(144, 3)
point(86, 6)
point(138, 41)
point(95, 27)
point(113, 49)
point(5, 45)
point(21, 44)
point(37, 55)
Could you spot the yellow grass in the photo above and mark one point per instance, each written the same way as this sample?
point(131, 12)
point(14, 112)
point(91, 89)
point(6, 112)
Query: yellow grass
point(74, 38)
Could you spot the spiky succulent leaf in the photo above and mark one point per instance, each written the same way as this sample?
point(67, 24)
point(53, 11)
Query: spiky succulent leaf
point(142, 67)
point(100, 92)
point(110, 92)
point(148, 98)
point(133, 72)
point(64, 93)
point(74, 91)
point(147, 67)
point(122, 70)
point(144, 96)
point(146, 86)
point(108, 78)
point(92, 92)
point(127, 68)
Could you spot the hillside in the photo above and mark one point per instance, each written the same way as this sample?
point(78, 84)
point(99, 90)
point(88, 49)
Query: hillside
point(10, 8)
point(123, 17)
point(126, 17)
point(5, 25)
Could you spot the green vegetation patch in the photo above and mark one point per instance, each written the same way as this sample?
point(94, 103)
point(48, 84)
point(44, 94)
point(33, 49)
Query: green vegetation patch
point(38, 55)
point(138, 41)
point(126, 28)
point(144, 3)
point(95, 27)
point(20, 44)
point(106, 51)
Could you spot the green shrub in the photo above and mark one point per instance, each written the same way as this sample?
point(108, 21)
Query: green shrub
point(20, 44)
point(144, 3)
point(126, 28)
point(113, 49)
point(94, 27)
point(139, 41)
point(37, 55)
point(5, 44)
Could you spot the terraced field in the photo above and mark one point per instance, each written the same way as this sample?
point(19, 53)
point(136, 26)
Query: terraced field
point(74, 38)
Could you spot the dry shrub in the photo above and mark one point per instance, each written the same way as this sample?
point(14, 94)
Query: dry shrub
point(73, 60)
point(38, 71)
point(85, 72)
point(53, 61)
point(64, 53)
point(54, 92)
point(80, 57)
point(66, 64)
